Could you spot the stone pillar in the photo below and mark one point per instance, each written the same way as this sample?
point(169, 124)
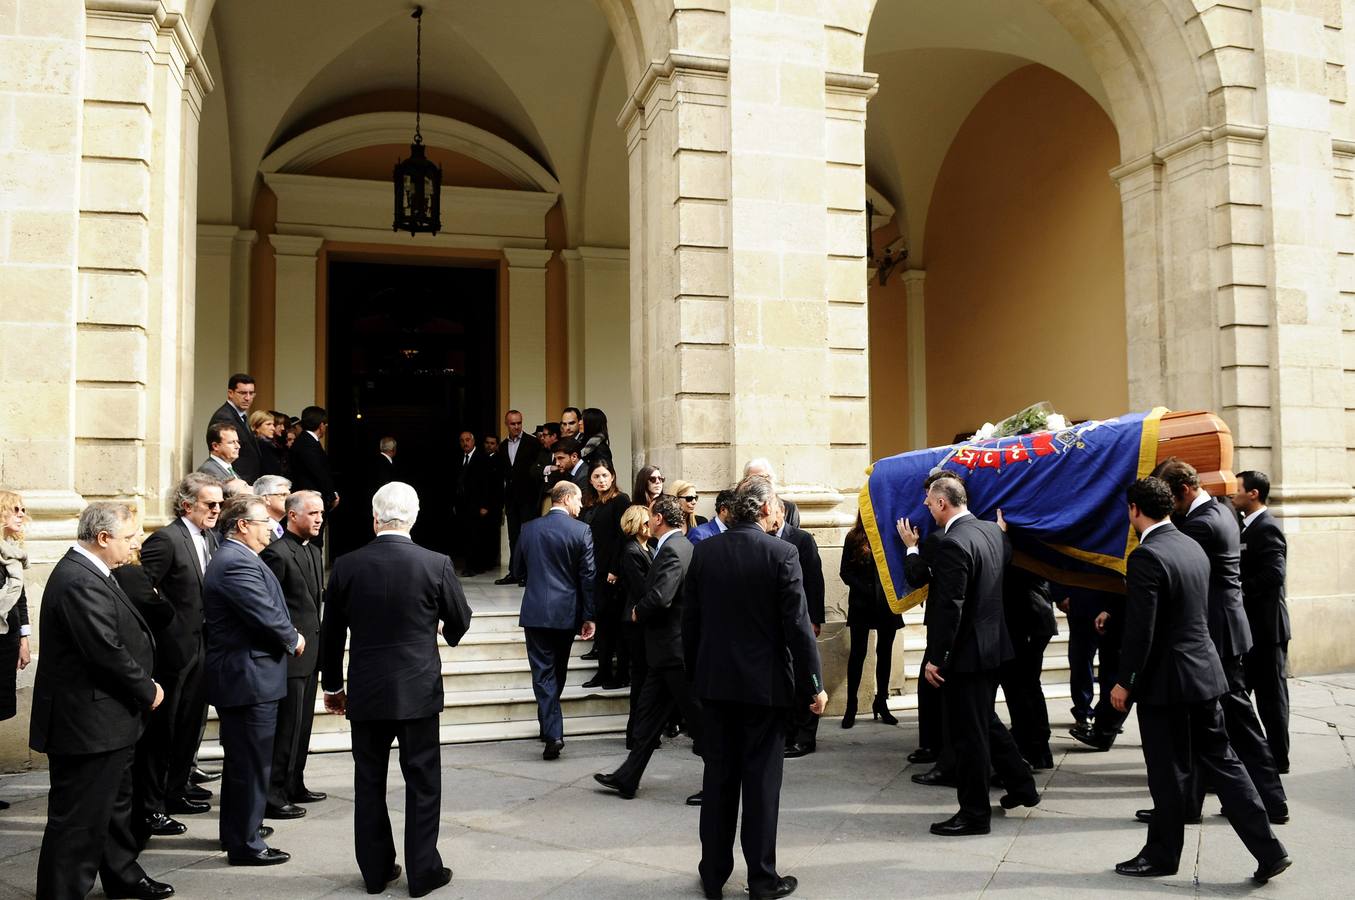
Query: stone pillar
point(527, 332)
point(217, 245)
point(241, 256)
point(599, 354)
point(914, 284)
point(295, 324)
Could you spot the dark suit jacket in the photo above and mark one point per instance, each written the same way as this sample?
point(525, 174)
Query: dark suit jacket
point(213, 467)
point(299, 569)
point(157, 612)
point(866, 603)
point(522, 490)
point(1027, 607)
point(917, 568)
point(391, 594)
point(270, 456)
point(1214, 527)
point(660, 606)
point(93, 691)
point(556, 552)
point(1167, 655)
point(635, 563)
point(248, 629)
point(792, 512)
point(170, 560)
point(310, 468)
point(811, 569)
point(605, 521)
point(1264, 554)
point(249, 466)
point(471, 481)
point(968, 631)
point(745, 632)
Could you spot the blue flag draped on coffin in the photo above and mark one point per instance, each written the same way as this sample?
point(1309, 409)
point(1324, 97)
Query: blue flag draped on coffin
point(1061, 492)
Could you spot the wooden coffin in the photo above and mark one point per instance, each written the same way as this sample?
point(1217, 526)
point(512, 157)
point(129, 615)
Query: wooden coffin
point(1203, 440)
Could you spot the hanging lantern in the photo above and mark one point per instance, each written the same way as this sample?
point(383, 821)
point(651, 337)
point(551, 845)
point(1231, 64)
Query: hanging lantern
point(418, 181)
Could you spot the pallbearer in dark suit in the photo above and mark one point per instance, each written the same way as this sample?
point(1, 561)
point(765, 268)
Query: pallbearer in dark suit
point(1264, 553)
point(749, 647)
point(1213, 525)
point(471, 505)
point(248, 632)
point(309, 463)
point(1170, 668)
point(300, 570)
point(659, 613)
point(803, 731)
point(91, 700)
point(1031, 624)
point(522, 491)
point(555, 552)
point(966, 644)
point(234, 412)
point(174, 560)
point(393, 596)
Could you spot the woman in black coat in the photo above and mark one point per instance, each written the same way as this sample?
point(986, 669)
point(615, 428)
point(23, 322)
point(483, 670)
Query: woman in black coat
point(867, 611)
point(264, 427)
point(634, 571)
point(594, 438)
point(603, 506)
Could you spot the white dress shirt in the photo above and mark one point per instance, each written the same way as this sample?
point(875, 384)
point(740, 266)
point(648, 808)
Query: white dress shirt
point(99, 563)
point(199, 541)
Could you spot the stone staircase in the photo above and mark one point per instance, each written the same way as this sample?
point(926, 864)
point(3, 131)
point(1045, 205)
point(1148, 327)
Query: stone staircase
point(488, 685)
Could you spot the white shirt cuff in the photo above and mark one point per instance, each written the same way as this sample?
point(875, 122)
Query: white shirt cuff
point(333, 693)
point(911, 550)
point(25, 630)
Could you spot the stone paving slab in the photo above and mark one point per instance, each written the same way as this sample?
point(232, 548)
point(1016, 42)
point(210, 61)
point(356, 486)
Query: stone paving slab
point(852, 825)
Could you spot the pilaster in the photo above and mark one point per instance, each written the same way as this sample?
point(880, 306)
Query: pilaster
point(914, 286)
point(295, 321)
point(527, 331)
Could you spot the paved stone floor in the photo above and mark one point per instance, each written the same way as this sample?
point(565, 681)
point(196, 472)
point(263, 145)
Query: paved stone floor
point(852, 825)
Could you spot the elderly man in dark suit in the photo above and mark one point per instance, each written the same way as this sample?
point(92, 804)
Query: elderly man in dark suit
point(174, 560)
point(749, 647)
point(310, 463)
point(393, 596)
point(248, 633)
point(521, 491)
point(471, 505)
point(300, 570)
point(91, 700)
point(1213, 525)
point(555, 552)
point(802, 735)
point(1264, 553)
point(234, 412)
point(659, 613)
point(1170, 668)
point(966, 644)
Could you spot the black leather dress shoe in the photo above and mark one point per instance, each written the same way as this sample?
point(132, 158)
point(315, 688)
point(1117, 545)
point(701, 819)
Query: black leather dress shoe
point(590, 655)
point(265, 832)
point(522, 582)
point(958, 826)
point(268, 856)
point(610, 782)
point(391, 876)
point(596, 681)
point(1270, 870)
point(923, 755)
point(193, 792)
point(935, 778)
point(1146, 817)
point(145, 889)
point(1279, 815)
point(694, 799)
point(507, 579)
point(552, 750)
point(442, 879)
point(1093, 737)
point(184, 807)
point(162, 825)
point(795, 751)
point(1011, 801)
point(1138, 867)
point(310, 797)
point(290, 811)
point(468, 573)
point(198, 776)
point(784, 887)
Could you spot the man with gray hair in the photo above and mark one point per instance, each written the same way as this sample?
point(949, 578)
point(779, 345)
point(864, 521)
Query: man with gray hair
point(274, 490)
point(555, 552)
point(760, 465)
point(386, 601)
point(92, 698)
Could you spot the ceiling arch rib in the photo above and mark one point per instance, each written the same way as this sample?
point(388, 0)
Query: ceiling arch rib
point(323, 142)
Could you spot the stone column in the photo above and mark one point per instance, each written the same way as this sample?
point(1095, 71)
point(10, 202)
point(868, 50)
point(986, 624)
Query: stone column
point(527, 332)
point(241, 255)
point(212, 325)
point(294, 324)
point(599, 355)
point(914, 284)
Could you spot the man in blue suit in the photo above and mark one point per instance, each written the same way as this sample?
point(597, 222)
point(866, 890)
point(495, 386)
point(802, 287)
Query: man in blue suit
point(556, 553)
point(249, 632)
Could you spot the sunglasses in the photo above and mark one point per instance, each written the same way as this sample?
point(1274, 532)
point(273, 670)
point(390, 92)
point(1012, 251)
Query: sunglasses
point(657, 479)
point(20, 511)
point(691, 499)
point(211, 504)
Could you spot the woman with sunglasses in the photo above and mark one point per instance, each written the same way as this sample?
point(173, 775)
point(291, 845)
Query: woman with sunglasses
point(685, 491)
point(603, 506)
point(14, 627)
point(648, 486)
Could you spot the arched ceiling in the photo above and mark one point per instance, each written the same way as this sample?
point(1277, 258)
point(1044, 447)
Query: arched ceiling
point(538, 68)
point(936, 60)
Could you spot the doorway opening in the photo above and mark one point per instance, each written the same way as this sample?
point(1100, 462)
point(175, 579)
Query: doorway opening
point(412, 355)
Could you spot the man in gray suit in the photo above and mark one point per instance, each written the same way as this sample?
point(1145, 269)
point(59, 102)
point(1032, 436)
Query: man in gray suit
point(223, 449)
point(659, 611)
point(556, 554)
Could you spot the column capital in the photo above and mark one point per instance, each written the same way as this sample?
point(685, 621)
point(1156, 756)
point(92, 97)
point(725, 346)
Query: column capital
point(216, 240)
point(296, 244)
point(527, 257)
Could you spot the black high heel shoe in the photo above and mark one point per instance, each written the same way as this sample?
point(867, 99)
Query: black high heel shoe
point(849, 716)
point(880, 710)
